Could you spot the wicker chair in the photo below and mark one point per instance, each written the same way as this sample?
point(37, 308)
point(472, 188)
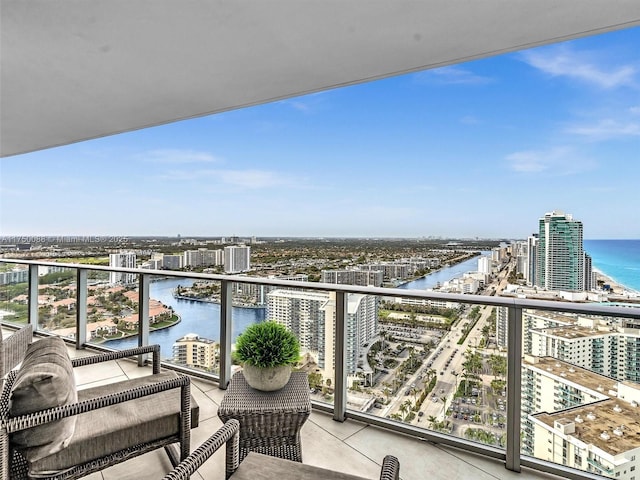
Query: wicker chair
point(257, 466)
point(12, 350)
point(110, 423)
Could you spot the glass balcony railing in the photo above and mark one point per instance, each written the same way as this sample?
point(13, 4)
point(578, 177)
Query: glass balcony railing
point(454, 369)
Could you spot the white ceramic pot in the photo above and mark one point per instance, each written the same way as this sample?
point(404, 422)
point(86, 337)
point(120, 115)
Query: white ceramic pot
point(267, 379)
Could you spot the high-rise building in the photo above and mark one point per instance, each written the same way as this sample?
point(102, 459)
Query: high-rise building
point(532, 256)
point(172, 262)
point(236, 258)
point(302, 312)
point(122, 260)
point(311, 317)
point(202, 257)
point(560, 253)
point(484, 265)
point(589, 277)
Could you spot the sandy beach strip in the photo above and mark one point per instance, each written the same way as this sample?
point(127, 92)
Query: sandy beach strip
point(616, 287)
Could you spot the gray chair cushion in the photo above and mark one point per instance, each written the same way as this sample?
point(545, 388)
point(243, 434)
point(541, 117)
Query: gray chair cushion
point(45, 380)
point(108, 430)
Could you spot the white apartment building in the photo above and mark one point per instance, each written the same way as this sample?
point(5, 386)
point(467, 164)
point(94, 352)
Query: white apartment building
point(466, 284)
point(172, 262)
point(311, 317)
point(612, 350)
point(122, 260)
point(258, 293)
point(194, 351)
point(581, 419)
point(203, 257)
point(531, 319)
point(302, 312)
point(236, 259)
point(362, 278)
point(423, 302)
point(391, 270)
point(17, 275)
point(152, 264)
point(484, 265)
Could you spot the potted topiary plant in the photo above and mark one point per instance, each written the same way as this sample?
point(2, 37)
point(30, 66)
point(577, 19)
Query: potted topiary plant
point(267, 352)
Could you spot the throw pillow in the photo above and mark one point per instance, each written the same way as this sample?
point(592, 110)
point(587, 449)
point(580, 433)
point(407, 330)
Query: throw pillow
point(45, 380)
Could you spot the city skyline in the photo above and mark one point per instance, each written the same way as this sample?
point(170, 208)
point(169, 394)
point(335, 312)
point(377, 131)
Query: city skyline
point(480, 149)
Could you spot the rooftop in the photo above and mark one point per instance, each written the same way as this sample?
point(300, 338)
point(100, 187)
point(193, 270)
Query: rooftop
point(618, 420)
point(572, 333)
point(571, 373)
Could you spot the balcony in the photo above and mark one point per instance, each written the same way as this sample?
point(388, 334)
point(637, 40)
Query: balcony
point(338, 435)
point(352, 446)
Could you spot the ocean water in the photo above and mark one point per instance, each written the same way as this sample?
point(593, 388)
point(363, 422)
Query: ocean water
point(617, 259)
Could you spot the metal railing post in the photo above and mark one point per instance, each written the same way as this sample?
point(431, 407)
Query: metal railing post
point(32, 313)
point(514, 387)
point(340, 387)
point(143, 315)
point(81, 308)
point(226, 312)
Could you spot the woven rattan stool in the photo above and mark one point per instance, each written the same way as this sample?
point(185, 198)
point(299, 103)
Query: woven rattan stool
point(270, 422)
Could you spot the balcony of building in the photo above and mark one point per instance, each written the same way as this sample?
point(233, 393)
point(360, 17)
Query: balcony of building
point(340, 435)
point(352, 446)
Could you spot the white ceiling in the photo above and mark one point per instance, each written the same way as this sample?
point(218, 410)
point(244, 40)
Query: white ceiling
point(73, 70)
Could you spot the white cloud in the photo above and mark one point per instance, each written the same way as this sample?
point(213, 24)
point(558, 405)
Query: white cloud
point(177, 156)
point(452, 75)
point(469, 120)
point(247, 179)
point(556, 161)
point(561, 61)
point(606, 129)
point(251, 178)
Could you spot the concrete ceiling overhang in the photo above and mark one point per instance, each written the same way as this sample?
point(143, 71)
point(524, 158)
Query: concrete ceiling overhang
point(73, 70)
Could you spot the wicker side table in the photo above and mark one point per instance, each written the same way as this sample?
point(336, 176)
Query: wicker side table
point(270, 422)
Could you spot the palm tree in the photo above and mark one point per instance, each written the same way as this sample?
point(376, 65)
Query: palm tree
point(404, 408)
point(432, 420)
point(412, 357)
point(414, 391)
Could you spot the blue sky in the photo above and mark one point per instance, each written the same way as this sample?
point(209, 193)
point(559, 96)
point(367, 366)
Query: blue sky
point(481, 149)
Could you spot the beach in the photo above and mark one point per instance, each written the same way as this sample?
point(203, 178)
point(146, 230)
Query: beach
point(616, 288)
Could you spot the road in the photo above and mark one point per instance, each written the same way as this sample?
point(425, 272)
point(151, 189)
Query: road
point(446, 359)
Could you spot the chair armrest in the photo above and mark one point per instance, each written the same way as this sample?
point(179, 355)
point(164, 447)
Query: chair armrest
point(22, 422)
point(390, 468)
point(106, 357)
point(14, 347)
point(227, 435)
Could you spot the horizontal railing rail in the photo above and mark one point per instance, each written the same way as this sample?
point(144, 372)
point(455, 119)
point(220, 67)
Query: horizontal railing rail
point(511, 455)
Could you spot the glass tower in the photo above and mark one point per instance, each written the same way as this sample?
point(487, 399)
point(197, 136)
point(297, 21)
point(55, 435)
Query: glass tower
point(560, 263)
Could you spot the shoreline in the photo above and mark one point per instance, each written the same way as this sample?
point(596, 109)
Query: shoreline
point(135, 334)
point(617, 288)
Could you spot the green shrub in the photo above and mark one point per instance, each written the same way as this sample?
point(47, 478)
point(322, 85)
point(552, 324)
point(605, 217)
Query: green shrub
point(267, 344)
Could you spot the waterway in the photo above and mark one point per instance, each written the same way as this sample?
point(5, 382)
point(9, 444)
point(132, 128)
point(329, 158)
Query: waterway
point(203, 318)
point(445, 274)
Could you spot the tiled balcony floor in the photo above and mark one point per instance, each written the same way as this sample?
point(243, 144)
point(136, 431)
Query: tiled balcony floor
point(351, 446)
